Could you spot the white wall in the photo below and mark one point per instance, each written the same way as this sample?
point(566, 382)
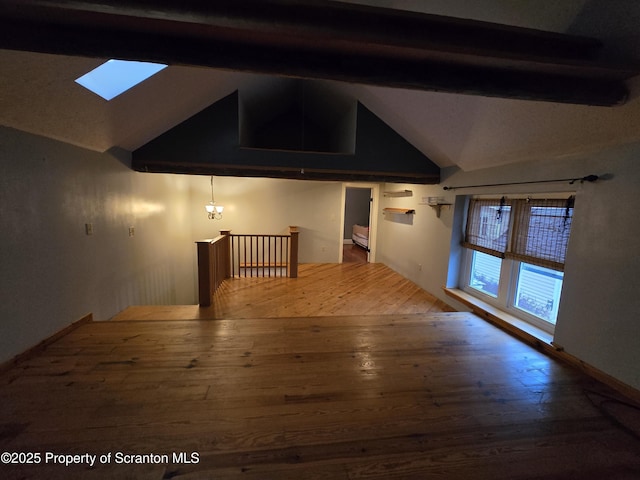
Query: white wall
point(598, 318)
point(52, 272)
point(599, 315)
point(417, 245)
point(267, 205)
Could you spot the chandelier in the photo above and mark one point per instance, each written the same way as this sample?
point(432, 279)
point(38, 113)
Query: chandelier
point(214, 211)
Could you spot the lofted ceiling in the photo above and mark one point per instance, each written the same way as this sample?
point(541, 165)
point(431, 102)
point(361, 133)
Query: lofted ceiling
point(534, 97)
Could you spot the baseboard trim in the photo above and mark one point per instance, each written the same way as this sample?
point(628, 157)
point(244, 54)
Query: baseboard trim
point(31, 352)
point(541, 341)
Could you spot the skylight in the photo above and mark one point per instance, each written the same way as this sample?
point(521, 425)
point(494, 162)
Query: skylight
point(117, 76)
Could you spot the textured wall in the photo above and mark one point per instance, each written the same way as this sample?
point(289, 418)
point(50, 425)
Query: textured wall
point(417, 246)
point(262, 205)
point(52, 272)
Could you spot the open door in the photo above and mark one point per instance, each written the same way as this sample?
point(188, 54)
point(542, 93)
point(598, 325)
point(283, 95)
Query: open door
point(358, 231)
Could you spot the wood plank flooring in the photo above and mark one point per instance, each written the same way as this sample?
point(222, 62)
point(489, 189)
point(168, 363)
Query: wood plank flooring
point(379, 396)
point(319, 290)
point(352, 253)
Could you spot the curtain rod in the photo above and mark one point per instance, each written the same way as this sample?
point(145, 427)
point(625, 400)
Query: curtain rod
point(588, 178)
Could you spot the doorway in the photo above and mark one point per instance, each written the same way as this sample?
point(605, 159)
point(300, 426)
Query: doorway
point(358, 229)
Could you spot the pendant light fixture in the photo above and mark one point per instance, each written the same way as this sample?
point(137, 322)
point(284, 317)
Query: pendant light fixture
point(214, 211)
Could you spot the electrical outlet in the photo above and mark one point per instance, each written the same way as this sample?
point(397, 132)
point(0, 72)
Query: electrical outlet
point(419, 267)
point(132, 231)
point(88, 228)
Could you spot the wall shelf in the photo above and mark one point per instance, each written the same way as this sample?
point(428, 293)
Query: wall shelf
point(399, 193)
point(400, 211)
point(438, 207)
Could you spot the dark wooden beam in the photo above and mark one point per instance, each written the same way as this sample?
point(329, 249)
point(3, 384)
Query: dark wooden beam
point(327, 40)
point(226, 170)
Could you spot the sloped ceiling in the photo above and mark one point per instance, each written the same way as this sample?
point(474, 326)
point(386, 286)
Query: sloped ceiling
point(38, 94)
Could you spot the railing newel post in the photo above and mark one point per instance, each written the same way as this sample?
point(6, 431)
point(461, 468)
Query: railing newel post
point(293, 254)
point(226, 253)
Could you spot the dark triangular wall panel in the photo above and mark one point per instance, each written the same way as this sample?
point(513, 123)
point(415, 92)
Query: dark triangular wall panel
point(208, 144)
point(210, 136)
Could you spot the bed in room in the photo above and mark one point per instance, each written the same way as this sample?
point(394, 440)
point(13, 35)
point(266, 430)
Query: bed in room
point(360, 236)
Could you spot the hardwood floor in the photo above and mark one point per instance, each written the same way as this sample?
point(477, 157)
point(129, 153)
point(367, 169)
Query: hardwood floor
point(348, 396)
point(320, 290)
point(353, 253)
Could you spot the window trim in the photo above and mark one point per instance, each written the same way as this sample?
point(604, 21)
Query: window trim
point(514, 310)
point(506, 291)
point(510, 266)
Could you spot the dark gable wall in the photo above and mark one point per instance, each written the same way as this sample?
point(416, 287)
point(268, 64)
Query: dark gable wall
point(208, 143)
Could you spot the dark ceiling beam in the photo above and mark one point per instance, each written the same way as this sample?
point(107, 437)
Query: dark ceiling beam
point(326, 40)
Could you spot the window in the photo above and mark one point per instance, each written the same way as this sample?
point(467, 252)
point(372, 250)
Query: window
point(538, 291)
point(485, 273)
point(117, 76)
point(515, 255)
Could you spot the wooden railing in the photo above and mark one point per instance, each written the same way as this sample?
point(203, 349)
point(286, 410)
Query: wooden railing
point(231, 255)
point(213, 266)
point(263, 255)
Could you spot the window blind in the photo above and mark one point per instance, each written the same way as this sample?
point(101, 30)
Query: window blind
point(540, 232)
point(488, 226)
